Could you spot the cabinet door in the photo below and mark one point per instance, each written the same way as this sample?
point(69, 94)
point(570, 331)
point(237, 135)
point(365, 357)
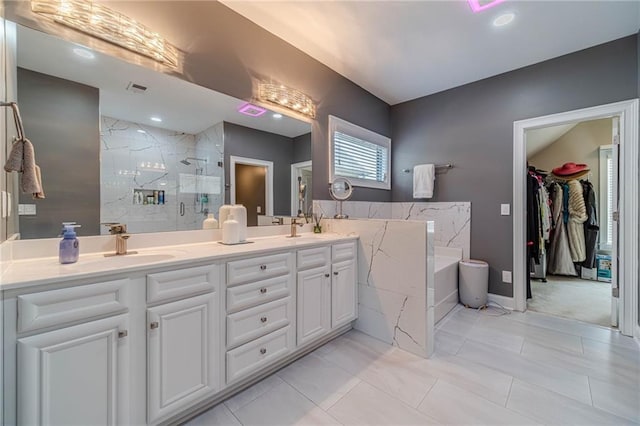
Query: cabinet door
point(75, 376)
point(182, 350)
point(344, 301)
point(314, 304)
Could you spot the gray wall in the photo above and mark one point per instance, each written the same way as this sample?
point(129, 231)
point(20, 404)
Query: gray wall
point(61, 119)
point(301, 148)
point(226, 52)
point(472, 126)
point(245, 142)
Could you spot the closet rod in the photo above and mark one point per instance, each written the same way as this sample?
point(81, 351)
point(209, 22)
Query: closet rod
point(437, 166)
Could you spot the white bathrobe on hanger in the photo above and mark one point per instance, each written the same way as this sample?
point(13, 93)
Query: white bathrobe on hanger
point(577, 217)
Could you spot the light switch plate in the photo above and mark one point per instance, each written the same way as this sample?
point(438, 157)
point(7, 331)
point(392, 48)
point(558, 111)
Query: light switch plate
point(3, 200)
point(506, 276)
point(259, 209)
point(505, 209)
point(27, 209)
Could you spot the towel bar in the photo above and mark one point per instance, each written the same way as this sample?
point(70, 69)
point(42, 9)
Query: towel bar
point(437, 166)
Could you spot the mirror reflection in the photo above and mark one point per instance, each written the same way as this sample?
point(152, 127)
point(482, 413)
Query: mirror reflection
point(117, 142)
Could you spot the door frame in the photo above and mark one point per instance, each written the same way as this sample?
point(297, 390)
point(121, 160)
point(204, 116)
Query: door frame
point(268, 192)
point(627, 111)
point(295, 169)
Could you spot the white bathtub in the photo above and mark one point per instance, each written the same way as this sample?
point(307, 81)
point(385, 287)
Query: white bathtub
point(446, 280)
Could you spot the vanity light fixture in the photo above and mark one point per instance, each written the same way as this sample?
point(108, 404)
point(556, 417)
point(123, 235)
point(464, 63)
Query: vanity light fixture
point(287, 97)
point(107, 24)
point(480, 5)
point(504, 19)
point(251, 110)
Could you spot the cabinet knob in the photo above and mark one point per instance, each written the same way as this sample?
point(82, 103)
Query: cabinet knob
point(335, 273)
point(123, 333)
point(263, 319)
point(154, 325)
point(263, 351)
point(326, 275)
point(263, 267)
point(263, 290)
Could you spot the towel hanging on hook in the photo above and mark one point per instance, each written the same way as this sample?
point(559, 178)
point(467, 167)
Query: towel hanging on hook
point(22, 158)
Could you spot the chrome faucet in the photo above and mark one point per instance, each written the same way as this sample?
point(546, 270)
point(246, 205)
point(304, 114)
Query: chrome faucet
point(120, 231)
point(294, 230)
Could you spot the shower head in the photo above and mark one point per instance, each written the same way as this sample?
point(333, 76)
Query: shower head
point(186, 161)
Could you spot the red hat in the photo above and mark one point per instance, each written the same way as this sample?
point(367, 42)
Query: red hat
point(568, 169)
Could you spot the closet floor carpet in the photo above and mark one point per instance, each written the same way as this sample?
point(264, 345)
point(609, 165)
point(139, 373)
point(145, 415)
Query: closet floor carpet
point(584, 300)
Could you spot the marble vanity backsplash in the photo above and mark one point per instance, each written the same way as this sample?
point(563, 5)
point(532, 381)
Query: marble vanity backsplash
point(452, 219)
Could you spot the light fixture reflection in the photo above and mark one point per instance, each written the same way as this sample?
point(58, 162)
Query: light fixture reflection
point(287, 97)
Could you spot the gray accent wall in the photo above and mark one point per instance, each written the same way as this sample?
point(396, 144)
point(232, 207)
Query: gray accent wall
point(251, 143)
point(472, 127)
point(301, 148)
point(61, 118)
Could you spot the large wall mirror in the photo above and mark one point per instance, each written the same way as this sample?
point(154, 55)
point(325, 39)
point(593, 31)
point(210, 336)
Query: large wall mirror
point(118, 142)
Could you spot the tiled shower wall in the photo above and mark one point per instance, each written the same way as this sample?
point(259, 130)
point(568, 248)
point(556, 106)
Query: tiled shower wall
point(140, 157)
point(452, 220)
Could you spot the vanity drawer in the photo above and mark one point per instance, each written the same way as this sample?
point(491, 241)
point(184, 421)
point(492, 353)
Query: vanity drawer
point(313, 257)
point(252, 356)
point(255, 322)
point(343, 251)
point(258, 268)
point(252, 294)
point(182, 283)
point(57, 307)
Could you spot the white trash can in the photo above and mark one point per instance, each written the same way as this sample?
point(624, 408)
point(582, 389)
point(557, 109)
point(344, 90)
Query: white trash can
point(473, 283)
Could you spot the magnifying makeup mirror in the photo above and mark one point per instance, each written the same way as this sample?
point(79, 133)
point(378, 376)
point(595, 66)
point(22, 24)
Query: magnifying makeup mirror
point(340, 190)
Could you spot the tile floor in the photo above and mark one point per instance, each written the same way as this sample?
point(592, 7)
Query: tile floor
point(522, 368)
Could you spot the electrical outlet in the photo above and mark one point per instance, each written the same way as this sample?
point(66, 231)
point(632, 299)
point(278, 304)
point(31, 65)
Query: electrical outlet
point(505, 209)
point(506, 276)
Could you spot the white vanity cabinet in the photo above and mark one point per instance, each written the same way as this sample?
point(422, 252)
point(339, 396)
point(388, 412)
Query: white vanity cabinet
point(260, 313)
point(327, 286)
point(183, 339)
point(73, 374)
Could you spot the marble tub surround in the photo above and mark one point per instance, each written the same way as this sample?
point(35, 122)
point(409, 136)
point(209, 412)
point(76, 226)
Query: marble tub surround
point(452, 219)
point(141, 157)
point(393, 273)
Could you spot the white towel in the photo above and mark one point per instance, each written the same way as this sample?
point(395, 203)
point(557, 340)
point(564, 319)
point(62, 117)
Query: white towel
point(424, 176)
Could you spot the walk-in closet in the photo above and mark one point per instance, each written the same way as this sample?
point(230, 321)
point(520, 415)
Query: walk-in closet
point(571, 193)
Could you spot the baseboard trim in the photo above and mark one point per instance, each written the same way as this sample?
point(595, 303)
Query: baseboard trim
point(505, 301)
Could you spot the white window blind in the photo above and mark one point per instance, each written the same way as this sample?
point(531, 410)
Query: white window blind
point(358, 154)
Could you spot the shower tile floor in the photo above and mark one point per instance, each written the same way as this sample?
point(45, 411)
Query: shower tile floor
point(521, 368)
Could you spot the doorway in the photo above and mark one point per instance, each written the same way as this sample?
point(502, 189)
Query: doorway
point(624, 254)
point(570, 228)
point(301, 185)
point(251, 182)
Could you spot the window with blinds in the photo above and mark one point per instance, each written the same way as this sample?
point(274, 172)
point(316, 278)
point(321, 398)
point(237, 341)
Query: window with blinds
point(358, 154)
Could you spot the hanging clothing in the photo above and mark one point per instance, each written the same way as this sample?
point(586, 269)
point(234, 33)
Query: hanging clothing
point(591, 226)
point(577, 218)
point(560, 261)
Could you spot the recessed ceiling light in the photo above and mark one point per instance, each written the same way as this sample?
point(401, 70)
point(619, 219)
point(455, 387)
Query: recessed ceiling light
point(277, 116)
point(84, 53)
point(141, 131)
point(504, 19)
point(156, 119)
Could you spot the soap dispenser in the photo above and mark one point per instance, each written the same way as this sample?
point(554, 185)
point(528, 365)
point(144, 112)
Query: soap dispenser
point(69, 245)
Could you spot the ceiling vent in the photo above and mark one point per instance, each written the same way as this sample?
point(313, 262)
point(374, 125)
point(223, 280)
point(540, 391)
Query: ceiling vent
point(136, 88)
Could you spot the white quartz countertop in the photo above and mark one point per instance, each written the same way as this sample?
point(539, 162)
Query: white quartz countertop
point(47, 270)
